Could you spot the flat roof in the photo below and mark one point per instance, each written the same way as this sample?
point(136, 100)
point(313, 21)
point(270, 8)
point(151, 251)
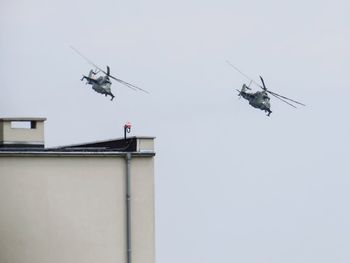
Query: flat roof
point(104, 143)
point(109, 147)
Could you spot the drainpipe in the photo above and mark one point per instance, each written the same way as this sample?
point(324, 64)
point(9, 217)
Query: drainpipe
point(128, 208)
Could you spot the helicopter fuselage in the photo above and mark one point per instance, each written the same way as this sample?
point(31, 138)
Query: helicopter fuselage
point(101, 84)
point(259, 100)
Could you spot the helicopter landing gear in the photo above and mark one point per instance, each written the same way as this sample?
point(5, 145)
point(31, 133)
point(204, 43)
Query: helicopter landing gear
point(269, 112)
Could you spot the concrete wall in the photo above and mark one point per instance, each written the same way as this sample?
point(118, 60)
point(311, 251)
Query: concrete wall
point(72, 209)
point(145, 145)
point(1, 131)
point(22, 135)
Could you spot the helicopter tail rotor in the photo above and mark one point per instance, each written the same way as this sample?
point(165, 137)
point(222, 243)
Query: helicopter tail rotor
point(243, 90)
point(245, 87)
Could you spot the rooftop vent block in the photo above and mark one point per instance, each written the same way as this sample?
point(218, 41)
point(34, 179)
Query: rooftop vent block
point(22, 132)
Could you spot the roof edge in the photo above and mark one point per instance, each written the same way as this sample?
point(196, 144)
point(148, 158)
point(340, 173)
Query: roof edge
point(23, 119)
point(73, 154)
point(101, 141)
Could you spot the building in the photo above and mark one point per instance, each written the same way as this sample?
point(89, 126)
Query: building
point(91, 202)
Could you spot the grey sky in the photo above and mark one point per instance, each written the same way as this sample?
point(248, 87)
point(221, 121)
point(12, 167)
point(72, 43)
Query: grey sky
point(232, 185)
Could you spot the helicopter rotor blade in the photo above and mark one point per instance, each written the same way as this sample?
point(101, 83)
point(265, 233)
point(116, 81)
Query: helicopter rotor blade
point(264, 87)
point(250, 83)
point(277, 95)
point(131, 86)
point(246, 76)
point(239, 94)
point(283, 100)
point(88, 60)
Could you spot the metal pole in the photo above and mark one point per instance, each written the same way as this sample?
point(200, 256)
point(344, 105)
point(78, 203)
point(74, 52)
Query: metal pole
point(127, 129)
point(128, 208)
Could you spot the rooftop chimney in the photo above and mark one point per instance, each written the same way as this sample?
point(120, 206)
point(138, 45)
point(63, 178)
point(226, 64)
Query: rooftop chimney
point(22, 132)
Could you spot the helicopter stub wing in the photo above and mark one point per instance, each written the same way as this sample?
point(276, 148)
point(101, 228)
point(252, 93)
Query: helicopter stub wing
point(94, 80)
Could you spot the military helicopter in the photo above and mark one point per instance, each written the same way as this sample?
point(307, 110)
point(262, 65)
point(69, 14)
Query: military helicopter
point(261, 99)
point(102, 84)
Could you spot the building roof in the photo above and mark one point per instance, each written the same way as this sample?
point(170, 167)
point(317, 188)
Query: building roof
point(106, 147)
point(30, 140)
point(23, 119)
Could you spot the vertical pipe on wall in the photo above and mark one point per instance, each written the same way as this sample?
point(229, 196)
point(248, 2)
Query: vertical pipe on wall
point(128, 208)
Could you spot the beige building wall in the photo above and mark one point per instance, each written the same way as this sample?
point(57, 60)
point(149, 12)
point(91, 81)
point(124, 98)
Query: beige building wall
point(11, 135)
point(71, 209)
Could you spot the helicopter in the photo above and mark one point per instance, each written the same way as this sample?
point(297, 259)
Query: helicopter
point(102, 84)
point(261, 99)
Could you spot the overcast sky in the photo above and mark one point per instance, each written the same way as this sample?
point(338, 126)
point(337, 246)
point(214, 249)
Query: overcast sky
point(232, 185)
